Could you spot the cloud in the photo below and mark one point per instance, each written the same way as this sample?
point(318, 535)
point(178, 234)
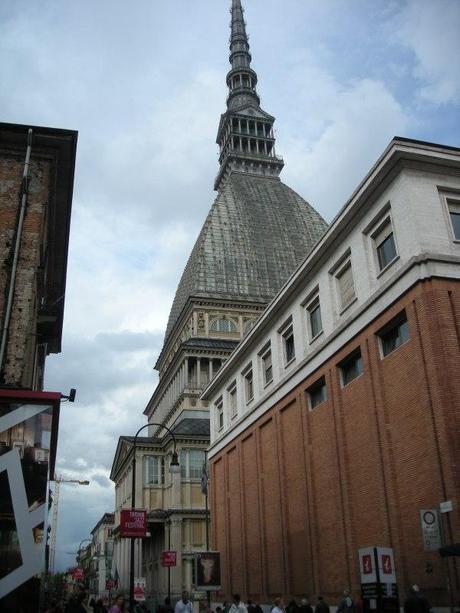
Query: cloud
point(430, 30)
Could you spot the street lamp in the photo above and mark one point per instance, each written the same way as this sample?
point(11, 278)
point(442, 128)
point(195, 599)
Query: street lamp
point(174, 467)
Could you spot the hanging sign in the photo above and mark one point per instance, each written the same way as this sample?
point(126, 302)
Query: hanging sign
point(133, 523)
point(168, 558)
point(431, 529)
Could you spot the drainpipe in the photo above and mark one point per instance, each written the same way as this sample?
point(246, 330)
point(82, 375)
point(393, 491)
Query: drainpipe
point(9, 301)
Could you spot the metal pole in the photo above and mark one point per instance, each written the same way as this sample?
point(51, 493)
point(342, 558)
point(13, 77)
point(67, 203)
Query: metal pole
point(133, 504)
point(208, 593)
point(169, 568)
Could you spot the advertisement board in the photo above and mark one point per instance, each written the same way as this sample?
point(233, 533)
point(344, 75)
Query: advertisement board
point(78, 574)
point(139, 589)
point(431, 529)
point(168, 558)
point(133, 523)
point(207, 568)
point(367, 565)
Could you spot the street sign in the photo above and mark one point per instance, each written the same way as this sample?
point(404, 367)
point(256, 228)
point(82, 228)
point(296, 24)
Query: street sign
point(431, 529)
point(446, 506)
point(386, 563)
point(78, 574)
point(139, 588)
point(133, 523)
point(168, 558)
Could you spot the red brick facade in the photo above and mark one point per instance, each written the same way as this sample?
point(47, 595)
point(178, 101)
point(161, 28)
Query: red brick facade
point(300, 491)
point(35, 325)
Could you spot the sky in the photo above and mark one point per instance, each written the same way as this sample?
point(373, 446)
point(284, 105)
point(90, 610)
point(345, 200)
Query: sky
point(144, 84)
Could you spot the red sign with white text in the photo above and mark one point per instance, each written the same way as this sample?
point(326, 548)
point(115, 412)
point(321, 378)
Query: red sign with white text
point(78, 574)
point(133, 523)
point(168, 558)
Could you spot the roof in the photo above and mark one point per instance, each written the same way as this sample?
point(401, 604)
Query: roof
point(210, 343)
point(192, 426)
point(256, 234)
point(59, 146)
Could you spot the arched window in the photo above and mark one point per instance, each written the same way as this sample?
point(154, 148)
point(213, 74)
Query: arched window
point(223, 325)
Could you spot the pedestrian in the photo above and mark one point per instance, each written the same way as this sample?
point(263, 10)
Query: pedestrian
point(219, 609)
point(99, 607)
point(237, 606)
point(416, 602)
point(183, 605)
point(305, 606)
point(118, 604)
point(250, 607)
point(226, 607)
point(322, 606)
point(293, 607)
point(279, 606)
point(346, 605)
point(166, 607)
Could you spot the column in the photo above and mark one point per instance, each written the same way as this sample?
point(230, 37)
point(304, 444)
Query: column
point(210, 369)
point(186, 373)
point(239, 125)
point(176, 545)
point(198, 372)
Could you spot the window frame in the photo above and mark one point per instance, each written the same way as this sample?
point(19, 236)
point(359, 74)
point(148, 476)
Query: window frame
point(453, 208)
point(338, 270)
point(218, 320)
point(351, 357)
point(318, 384)
point(185, 472)
point(248, 377)
point(232, 399)
point(395, 323)
point(379, 236)
point(286, 333)
point(313, 304)
point(220, 421)
point(264, 353)
point(159, 470)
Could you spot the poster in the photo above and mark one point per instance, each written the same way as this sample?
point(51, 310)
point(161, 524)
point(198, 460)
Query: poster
point(139, 588)
point(207, 565)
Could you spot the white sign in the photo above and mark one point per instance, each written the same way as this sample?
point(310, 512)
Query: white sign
point(431, 531)
point(367, 567)
point(386, 562)
point(446, 507)
point(139, 588)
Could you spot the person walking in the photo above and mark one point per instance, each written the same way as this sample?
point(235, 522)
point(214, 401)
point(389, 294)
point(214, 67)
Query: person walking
point(237, 606)
point(305, 606)
point(293, 607)
point(322, 606)
point(346, 605)
point(183, 605)
point(118, 605)
point(279, 606)
point(416, 602)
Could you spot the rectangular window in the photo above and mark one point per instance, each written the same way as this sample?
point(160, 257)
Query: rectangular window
point(152, 467)
point(220, 414)
point(454, 215)
point(384, 243)
point(191, 463)
point(346, 285)
point(288, 344)
point(394, 334)
point(248, 384)
point(314, 318)
point(267, 364)
point(351, 367)
point(232, 401)
point(317, 393)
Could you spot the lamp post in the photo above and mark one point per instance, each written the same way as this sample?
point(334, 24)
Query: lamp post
point(173, 468)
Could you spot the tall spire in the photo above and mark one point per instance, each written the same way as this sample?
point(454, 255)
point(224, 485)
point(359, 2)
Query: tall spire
point(245, 134)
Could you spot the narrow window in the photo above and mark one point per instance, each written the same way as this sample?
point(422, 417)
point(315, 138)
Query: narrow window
point(351, 367)
point(346, 285)
point(232, 401)
point(267, 366)
point(196, 461)
point(223, 325)
point(219, 414)
point(287, 336)
point(314, 318)
point(248, 384)
point(394, 334)
point(454, 214)
point(317, 393)
point(152, 470)
point(385, 244)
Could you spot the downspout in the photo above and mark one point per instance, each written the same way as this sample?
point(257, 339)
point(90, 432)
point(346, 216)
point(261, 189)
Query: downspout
point(9, 302)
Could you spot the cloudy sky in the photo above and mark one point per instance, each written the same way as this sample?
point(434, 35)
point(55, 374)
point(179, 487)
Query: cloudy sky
point(144, 84)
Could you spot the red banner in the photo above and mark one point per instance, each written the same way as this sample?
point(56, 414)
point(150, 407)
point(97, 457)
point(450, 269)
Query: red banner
point(78, 574)
point(109, 584)
point(133, 523)
point(168, 558)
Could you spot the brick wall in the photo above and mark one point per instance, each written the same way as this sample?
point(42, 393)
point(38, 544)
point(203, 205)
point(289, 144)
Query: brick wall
point(19, 359)
point(300, 491)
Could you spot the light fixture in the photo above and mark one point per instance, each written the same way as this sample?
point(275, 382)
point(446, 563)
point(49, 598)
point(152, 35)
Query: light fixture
point(174, 466)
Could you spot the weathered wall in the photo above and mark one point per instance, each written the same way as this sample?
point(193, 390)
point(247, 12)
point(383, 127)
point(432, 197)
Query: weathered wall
point(300, 491)
point(20, 353)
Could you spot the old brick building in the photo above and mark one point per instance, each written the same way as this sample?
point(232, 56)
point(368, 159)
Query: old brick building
point(337, 419)
point(36, 184)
